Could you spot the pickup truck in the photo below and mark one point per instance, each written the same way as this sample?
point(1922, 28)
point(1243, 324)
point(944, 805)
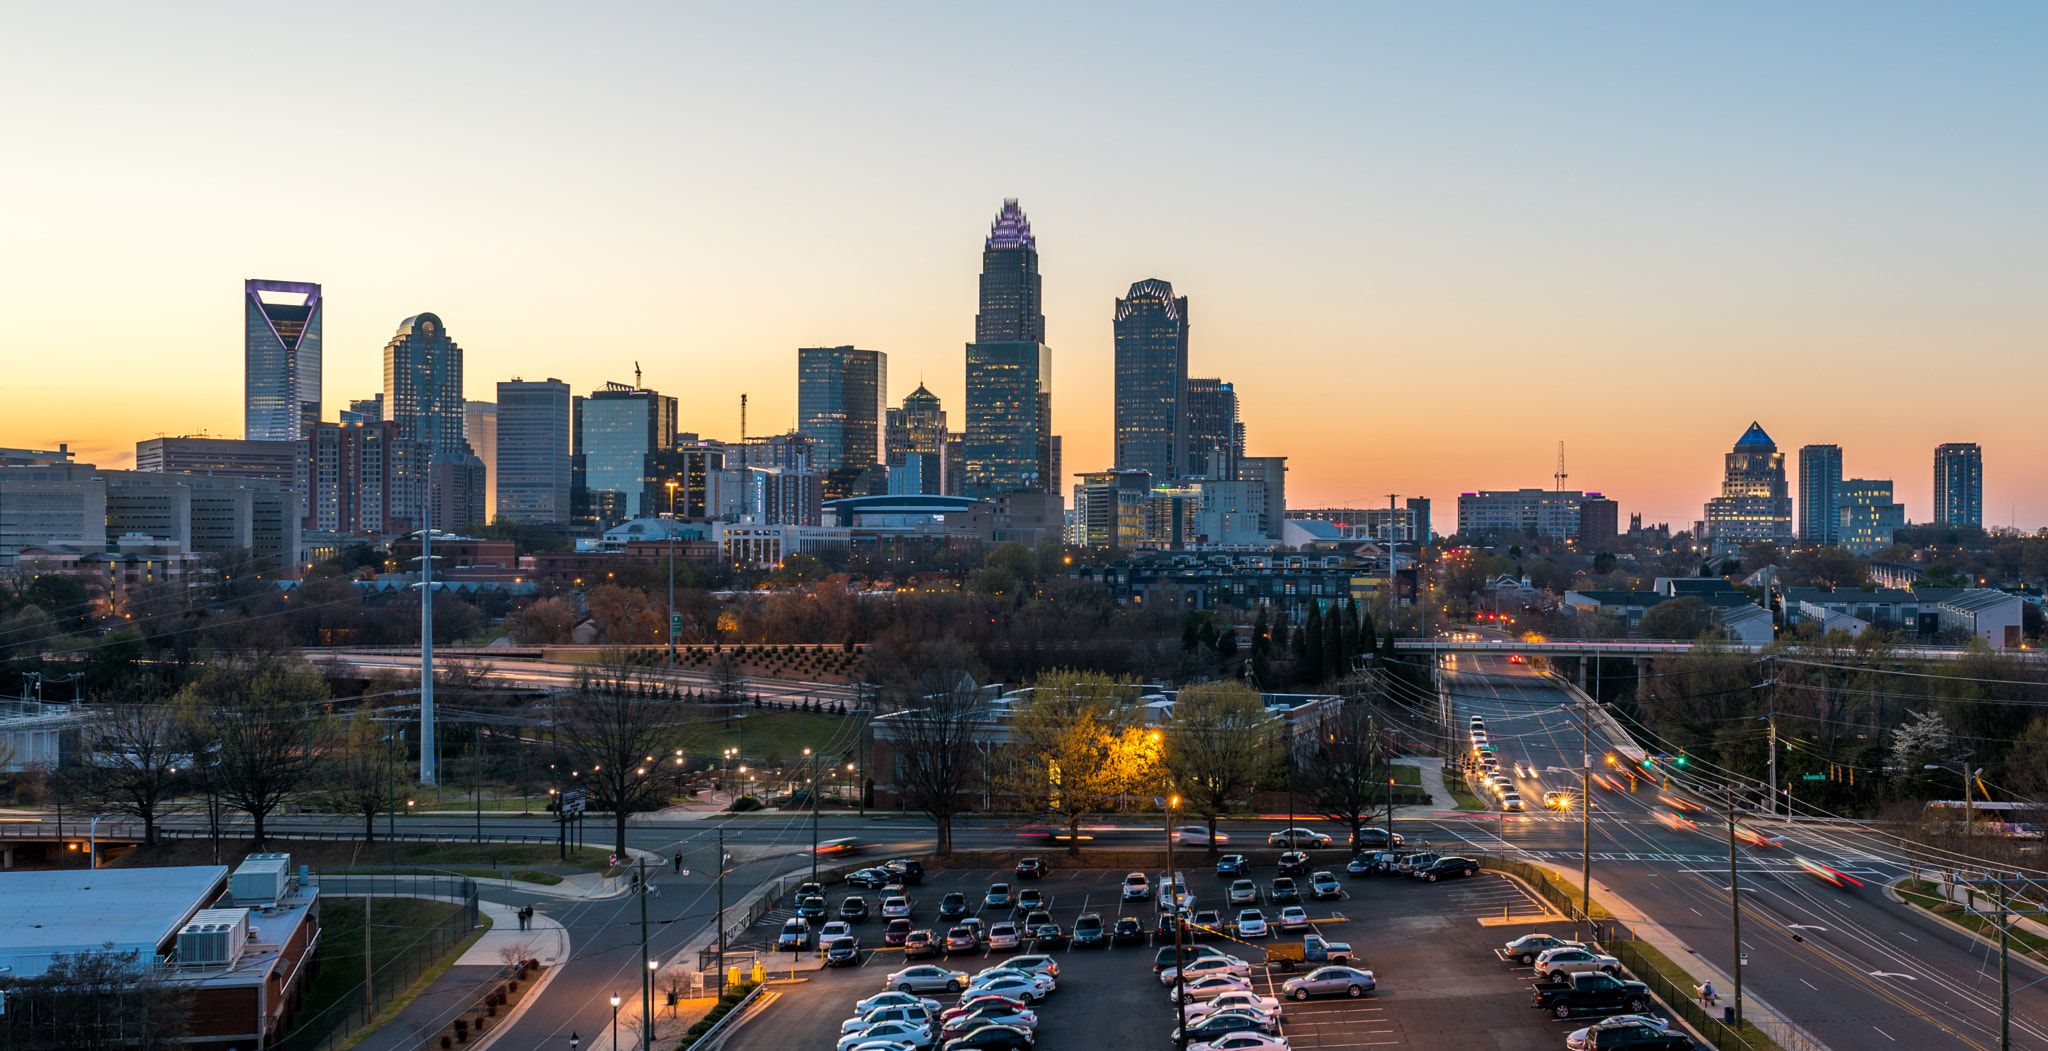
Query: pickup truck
point(1594, 993)
point(1314, 950)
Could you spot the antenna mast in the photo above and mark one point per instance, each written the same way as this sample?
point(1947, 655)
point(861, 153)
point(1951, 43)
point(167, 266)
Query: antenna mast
point(743, 417)
point(1560, 476)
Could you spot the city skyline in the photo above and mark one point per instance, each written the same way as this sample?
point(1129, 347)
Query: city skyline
point(1842, 219)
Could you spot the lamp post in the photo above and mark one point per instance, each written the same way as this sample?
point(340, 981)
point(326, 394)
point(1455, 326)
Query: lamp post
point(814, 813)
point(615, 1023)
point(1180, 961)
point(671, 574)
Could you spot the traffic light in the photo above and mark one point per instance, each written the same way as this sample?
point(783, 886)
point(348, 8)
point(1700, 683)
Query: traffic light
point(1681, 758)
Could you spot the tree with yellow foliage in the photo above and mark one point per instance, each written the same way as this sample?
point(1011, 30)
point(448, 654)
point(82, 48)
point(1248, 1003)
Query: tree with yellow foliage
point(1081, 747)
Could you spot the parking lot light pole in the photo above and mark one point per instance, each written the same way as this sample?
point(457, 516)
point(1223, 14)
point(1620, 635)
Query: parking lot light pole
point(1180, 968)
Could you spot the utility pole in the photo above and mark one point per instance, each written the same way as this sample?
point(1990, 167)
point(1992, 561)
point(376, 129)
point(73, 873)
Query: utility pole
point(2005, 915)
point(1180, 960)
point(671, 575)
point(814, 814)
point(718, 937)
point(1728, 793)
point(646, 969)
point(369, 992)
point(1584, 711)
point(427, 756)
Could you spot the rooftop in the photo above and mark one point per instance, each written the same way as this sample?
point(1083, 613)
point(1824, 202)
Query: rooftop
point(1755, 437)
point(75, 910)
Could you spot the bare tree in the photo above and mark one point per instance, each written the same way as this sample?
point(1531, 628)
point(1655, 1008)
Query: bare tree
point(357, 778)
point(94, 1001)
point(136, 762)
point(1346, 774)
point(1219, 745)
point(935, 729)
point(611, 731)
point(259, 731)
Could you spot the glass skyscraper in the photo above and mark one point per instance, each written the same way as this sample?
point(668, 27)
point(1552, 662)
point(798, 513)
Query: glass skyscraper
point(1820, 487)
point(1009, 443)
point(1753, 504)
point(1959, 484)
point(423, 386)
point(533, 451)
point(617, 430)
point(1215, 437)
point(280, 361)
point(1151, 328)
point(842, 405)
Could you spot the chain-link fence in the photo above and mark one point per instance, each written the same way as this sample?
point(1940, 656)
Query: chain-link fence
point(339, 1020)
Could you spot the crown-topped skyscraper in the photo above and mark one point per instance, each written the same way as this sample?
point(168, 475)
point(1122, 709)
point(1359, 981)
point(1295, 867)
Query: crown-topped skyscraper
point(1009, 444)
point(1012, 310)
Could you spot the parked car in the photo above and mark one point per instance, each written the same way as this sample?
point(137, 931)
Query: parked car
point(1232, 865)
point(896, 1034)
point(1298, 838)
point(1590, 993)
point(1224, 1023)
point(1046, 936)
point(1581, 1039)
point(926, 977)
point(1032, 868)
point(805, 890)
point(968, 1004)
point(1163, 929)
point(1206, 925)
point(991, 1014)
point(906, 870)
point(1323, 886)
point(1028, 988)
point(1447, 867)
point(842, 951)
point(795, 936)
point(1242, 1042)
point(1164, 958)
point(1314, 949)
point(1030, 898)
point(1199, 835)
point(1034, 963)
point(1127, 931)
point(1137, 887)
point(870, 879)
point(895, 932)
point(895, 908)
point(1294, 918)
point(1089, 931)
point(1251, 923)
point(1556, 964)
point(1283, 890)
point(1636, 1037)
point(1525, 949)
point(1206, 966)
point(1003, 935)
point(853, 908)
point(998, 896)
point(1330, 981)
point(991, 1038)
point(812, 907)
point(1376, 837)
point(1208, 986)
point(1408, 864)
point(961, 939)
point(912, 1013)
point(835, 929)
point(1243, 892)
point(1232, 1002)
point(893, 998)
point(920, 943)
point(1370, 863)
point(1294, 863)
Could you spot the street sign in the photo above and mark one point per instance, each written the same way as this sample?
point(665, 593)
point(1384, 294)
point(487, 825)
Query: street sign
point(1813, 777)
point(572, 802)
point(675, 625)
point(1745, 959)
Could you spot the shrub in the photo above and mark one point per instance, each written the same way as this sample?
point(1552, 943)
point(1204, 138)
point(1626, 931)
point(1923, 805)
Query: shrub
point(745, 803)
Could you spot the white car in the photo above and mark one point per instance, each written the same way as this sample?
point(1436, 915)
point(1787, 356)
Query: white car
point(1579, 1039)
point(1206, 966)
point(1137, 887)
point(1294, 918)
point(835, 929)
point(1512, 800)
point(912, 1033)
point(1243, 1042)
point(914, 1014)
point(926, 976)
point(894, 999)
point(1251, 923)
point(1029, 988)
point(1243, 892)
point(1002, 935)
point(895, 908)
point(1199, 834)
point(1554, 964)
point(1230, 1002)
point(1211, 986)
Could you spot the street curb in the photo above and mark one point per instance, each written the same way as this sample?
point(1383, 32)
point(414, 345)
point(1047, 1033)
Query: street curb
point(1891, 891)
point(532, 997)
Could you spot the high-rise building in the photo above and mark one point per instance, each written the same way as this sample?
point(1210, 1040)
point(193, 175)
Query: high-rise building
point(1866, 515)
point(919, 426)
point(1151, 329)
point(1271, 472)
point(697, 473)
point(1820, 484)
point(617, 429)
point(533, 442)
point(219, 457)
point(841, 403)
point(1754, 503)
point(1215, 437)
point(1011, 304)
point(363, 478)
point(1506, 512)
point(1959, 484)
point(423, 398)
point(1009, 443)
point(280, 360)
point(1599, 523)
point(365, 410)
point(1110, 507)
point(480, 428)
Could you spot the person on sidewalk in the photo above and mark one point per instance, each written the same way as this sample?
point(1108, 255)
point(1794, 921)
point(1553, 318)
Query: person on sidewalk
point(1707, 993)
point(678, 861)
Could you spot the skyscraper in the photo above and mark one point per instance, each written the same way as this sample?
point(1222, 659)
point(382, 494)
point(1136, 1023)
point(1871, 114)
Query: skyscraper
point(1011, 304)
point(617, 429)
point(280, 361)
point(1215, 437)
point(1151, 327)
point(480, 427)
point(1820, 486)
point(1959, 484)
point(1753, 504)
point(917, 432)
point(841, 405)
point(1009, 443)
point(423, 397)
point(534, 439)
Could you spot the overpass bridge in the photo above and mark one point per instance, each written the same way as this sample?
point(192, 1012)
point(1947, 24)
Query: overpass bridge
point(1639, 648)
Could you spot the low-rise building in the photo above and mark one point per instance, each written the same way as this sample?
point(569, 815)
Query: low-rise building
point(1924, 613)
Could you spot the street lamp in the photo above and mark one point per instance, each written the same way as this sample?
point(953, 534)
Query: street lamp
point(671, 574)
point(615, 1023)
point(1180, 960)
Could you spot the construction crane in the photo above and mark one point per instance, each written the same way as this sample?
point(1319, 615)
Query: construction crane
point(636, 375)
point(1560, 476)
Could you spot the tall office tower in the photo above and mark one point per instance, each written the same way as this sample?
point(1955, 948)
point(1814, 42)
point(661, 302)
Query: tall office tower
point(617, 430)
point(686, 481)
point(1820, 487)
point(919, 426)
point(1599, 523)
point(1959, 484)
point(841, 404)
point(1215, 437)
point(1011, 304)
point(480, 428)
point(280, 361)
point(1151, 328)
point(1271, 472)
point(423, 385)
point(1753, 504)
point(365, 410)
point(955, 467)
point(1009, 443)
point(533, 441)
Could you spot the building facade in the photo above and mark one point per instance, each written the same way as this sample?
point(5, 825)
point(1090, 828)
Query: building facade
point(480, 429)
point(1008, 442)
point(423, 400)
point(1959, 484)
point(1504, 512)
point(1151, 426)
point(1867, 516)
point(1012, 308)
point(1754, 503)
point(1215, 437)
point(1599, 523)
point(1820, 483)
point(842, 398)
point(280, 360)
point(617, 429)
point(534, 441)
point(224, 457)
point(363, 479)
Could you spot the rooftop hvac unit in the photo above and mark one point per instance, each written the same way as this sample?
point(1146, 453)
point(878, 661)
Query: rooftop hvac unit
point(214, 938)
point(261, 879)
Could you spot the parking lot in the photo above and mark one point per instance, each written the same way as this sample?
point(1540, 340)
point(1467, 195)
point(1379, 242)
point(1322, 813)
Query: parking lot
point(1439, 984)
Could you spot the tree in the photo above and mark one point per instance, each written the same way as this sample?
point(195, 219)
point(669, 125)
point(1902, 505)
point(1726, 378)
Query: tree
point(1080, 747)
point(95, 1001)
point(258, 732)
point(358, 776)
point(550, 620)
point(62, 597)
point(935, 728)
point(1312, 669)
point(607, 730)
point(1673, 618)
point(1335, 658)
point(1218, 746)
point(136, 762)
point(1345, 776)
point(1262, 645)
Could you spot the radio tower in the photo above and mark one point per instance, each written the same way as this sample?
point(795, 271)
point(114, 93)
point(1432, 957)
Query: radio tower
point(743, 417)
point(1560, 476)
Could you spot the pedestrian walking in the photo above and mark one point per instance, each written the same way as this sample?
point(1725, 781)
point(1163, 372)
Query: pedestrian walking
point(678, 860)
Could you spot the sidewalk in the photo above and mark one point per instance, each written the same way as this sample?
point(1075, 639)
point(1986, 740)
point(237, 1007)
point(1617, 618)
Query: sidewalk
point(457, 989)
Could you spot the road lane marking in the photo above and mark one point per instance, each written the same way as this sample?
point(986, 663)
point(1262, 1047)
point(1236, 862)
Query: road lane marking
point(1886, 1035)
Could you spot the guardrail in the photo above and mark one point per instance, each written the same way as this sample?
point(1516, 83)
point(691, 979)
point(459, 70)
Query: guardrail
point(718, 1028)
point(340, 836)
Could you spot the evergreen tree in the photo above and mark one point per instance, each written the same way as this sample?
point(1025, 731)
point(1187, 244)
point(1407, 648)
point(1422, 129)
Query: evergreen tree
point(1351, 634)
point(1313, 667)
point(1261, 645)
point(1298, 645)
point(1335, 660)
point(1366, 642)
point(1206, 637)
point(1190, 631)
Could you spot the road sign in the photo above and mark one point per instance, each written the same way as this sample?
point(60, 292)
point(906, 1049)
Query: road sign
point(1745, 959)
point(572, 802)
point(675, 625)
point(1813, 777)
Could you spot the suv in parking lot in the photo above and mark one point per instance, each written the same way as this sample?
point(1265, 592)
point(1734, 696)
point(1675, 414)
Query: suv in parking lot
point(952, 907)
point(1089, 932)
point(854, 909)
point(1323, 886)
point(1294, 863)
point(906, 870)
point(998, 896)
point(1244, 892)
point(895, 933)
point(1137, 887)
point(1030, 898)
point(920, 943)
point(795, 936)
point(1444, 868)
point(1283, 891)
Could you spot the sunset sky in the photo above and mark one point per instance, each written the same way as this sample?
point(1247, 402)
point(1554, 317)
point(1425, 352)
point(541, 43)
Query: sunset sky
point(1427, 242)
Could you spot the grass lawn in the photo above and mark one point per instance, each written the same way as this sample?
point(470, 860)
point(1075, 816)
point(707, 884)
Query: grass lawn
point(526, 875)
point(401, 924)
point(1460, 791)
point(1925, 895)
point(1407, 775)
point(762, 733)
point(1756, 1038)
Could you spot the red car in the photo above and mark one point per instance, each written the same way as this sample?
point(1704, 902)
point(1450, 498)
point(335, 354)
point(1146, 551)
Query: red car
point(1516, 658)
point(896, 932)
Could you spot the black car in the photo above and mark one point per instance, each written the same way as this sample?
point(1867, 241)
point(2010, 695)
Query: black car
point(1162, 931)
point(812, 908)
point(1636, 1038)
point(1089, 932)
point(870, 879)
point(1284, 892)
point(991, 1038)
point(906, 870)
point(1447, 867)
point(1294, 863)
point(1206, 926)
point(1030, 898)
point(1376, 837)
point(843, 952)
point(1224, 1023)
point(1127, 931)
point(1370, 863)
point(952, 907)
point(1031, 868)
point(1044, 936)
point(854, 909)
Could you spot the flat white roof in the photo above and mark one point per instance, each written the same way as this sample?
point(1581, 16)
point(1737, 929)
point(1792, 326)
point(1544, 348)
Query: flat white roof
point(74, 910)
